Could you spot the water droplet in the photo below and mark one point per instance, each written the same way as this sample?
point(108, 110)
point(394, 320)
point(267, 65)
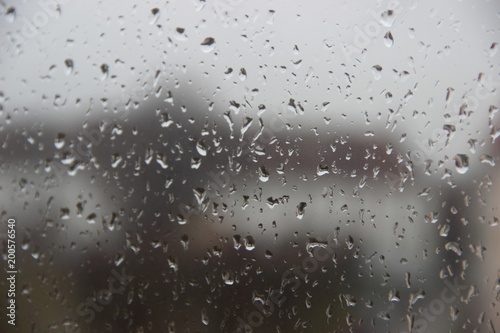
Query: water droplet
point(185, 241)
point(362, 181)
point(415, 296)
point(263, 174)
point(195, 163)
point(237, 241)
point(104, 70)
point(249, 243)
point(322, 170)
point(349, 242)
point(388, 39)
point(394, 295)
point(165, 120)
point(350, 300)
point(377, 72)
point(201, 148)
point(247, 122)
point(493, 49)
point(454, 313)
point(313, 244)
point(487, 159)
point(329, 311)
point(243, 74)
point(268, 254)
point(64, 214)
point(60, 141)
point(462, 163)
point(387, 18)
point(445, 229)
point(172, 263)
point(204, 317)
point(301, 210)
point(10, 14)
point(69, 66)
point(119, 258)
point(208, 45)
point(455, 247)
point(155, 15)
point(180, 33)
point(91, 218)
point(384, 315)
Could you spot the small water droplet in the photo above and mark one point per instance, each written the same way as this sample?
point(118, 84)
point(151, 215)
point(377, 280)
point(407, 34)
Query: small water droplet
point(185, 241)
point(172, 263)
point(237, 241)
point(119, 258)
point(493, 49)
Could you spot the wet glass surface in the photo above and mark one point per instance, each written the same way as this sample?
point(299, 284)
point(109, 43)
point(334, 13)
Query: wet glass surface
point(251, 166)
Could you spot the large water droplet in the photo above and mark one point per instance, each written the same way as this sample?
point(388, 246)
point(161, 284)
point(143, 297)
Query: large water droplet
point(10, 14)
point(60, 141)
point(462, 163)
point(377, 72)
point(201, 148)
point(263, 174)
point(249, 243)
point(208, 45)
point(301, 210)
point(388, 39)
point(387, 18)
point(155, 14)
point(487, 159)
point(69, 66)
point(247, 122)
point(454, 246)
point(204, 317)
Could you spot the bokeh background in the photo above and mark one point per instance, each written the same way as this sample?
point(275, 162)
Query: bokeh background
point(239, 166)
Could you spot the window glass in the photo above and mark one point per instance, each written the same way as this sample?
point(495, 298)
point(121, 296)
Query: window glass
point(250, 166)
